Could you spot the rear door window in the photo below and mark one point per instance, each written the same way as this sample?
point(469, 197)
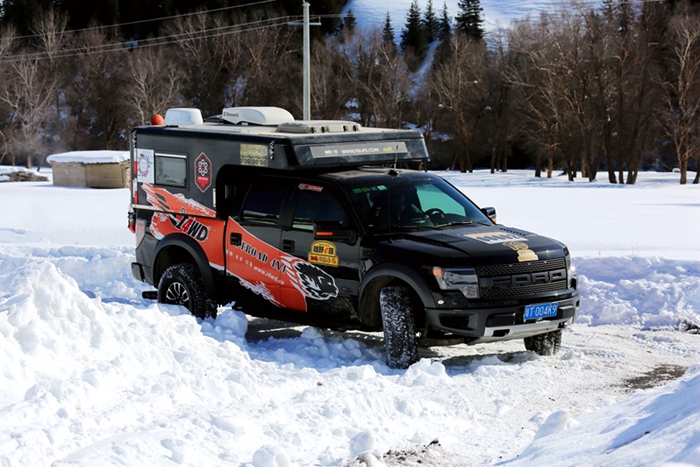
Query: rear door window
point(264, 205)
point(317, 204)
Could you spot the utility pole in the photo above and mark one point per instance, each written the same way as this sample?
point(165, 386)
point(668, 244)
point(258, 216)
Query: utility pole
point(307, 59)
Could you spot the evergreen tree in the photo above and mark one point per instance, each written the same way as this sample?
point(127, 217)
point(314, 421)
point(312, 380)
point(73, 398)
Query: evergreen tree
point(413, 36)
point(388, 32)
point(469, 19)
point(445, 27)
point(349, 21)
point(431, 23)
point(444, 50)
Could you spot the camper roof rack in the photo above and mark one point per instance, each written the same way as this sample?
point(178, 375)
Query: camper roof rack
point(319, 126)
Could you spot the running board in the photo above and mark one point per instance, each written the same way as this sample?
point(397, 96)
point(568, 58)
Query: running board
point(149, 295)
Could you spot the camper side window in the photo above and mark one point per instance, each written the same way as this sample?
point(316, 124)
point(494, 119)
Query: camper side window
point(171, 170)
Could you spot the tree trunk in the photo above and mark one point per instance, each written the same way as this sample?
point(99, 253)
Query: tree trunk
point(684, 171)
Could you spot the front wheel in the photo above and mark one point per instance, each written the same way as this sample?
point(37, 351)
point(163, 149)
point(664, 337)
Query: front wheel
point(544, 344)
point(181, 284)
point(399, 326)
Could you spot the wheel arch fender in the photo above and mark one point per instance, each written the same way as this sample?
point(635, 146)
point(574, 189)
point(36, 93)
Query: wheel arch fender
point(382, 275)
point(181, 248)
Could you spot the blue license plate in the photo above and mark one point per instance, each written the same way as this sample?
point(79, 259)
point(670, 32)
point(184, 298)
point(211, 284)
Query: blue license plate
point(542, 310)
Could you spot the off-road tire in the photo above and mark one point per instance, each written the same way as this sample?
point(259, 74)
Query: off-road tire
point(181, 284)
point(398, 319)
point(544, 344)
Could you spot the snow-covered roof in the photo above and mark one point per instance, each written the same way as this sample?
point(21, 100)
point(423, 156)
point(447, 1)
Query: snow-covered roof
point(90, 157)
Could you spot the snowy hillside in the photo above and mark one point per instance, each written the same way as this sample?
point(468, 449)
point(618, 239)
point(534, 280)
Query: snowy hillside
point(93, 375)
point(496, 14)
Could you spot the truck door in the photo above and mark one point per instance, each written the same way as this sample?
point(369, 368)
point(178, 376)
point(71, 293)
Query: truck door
point(252, 242)
point(330, 267)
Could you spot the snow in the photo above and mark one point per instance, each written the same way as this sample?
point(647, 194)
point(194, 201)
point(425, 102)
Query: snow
point(93, 375)
point(496, 14)
point(90, 157)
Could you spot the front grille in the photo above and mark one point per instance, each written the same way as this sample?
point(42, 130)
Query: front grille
point(521, 268)
point(522, 290)
point(501, 280)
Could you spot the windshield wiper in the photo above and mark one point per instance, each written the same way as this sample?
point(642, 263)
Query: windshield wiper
point(449, 224)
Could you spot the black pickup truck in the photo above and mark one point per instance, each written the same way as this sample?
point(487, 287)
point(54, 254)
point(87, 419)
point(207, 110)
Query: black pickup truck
point(312, 222)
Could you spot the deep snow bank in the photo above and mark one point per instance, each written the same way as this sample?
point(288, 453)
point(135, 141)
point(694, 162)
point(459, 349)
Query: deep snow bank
point(637, 291)
point(626, 434)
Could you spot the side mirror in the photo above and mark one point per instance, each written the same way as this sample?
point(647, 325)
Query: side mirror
point(490, 213)
point(334, 231)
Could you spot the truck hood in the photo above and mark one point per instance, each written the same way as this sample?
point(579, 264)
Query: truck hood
point(490, 244)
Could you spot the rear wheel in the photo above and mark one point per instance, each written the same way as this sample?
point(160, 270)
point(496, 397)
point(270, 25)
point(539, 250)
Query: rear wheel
point(181, 284)
point(398, 319)
point(544, 344)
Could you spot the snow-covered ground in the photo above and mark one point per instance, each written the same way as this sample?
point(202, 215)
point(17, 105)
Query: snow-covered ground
point(93, 375)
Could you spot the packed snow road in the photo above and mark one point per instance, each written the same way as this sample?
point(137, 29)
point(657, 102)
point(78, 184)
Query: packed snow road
point(93, 375)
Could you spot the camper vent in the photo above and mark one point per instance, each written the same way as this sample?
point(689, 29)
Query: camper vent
point(319, 127)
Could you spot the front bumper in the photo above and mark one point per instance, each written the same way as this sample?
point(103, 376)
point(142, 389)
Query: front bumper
point(480, 325)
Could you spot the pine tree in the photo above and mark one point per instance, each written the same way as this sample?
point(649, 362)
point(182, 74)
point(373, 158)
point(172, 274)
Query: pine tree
point(445, 28)
point(413, 36)
point(349, 21)
point(469, 19)
point(388, 32)
point(444, 50)
point(430, 22)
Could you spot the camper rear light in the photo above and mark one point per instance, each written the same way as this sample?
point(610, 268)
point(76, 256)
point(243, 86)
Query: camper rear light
point(132, 222)
point(140, 231)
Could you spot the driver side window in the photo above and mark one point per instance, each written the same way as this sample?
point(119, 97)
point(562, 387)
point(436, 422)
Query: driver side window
point(315, 206)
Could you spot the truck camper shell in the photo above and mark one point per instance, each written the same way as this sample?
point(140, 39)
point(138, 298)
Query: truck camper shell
point(188, 157)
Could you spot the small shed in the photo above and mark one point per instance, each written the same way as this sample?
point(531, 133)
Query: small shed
point(92, 169)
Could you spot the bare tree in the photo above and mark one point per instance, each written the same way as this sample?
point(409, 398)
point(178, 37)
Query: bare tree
point(682, 89)
point(27, 91)
point(502, 106)
point(380, 81)
point(460, 83)
point(49, 28)
point(272, 69)
point(154, 82)
point(204, 43)
point(542, 110)
point(331, 89)
point(629, 93)
point(7, 44)
point(95, 97)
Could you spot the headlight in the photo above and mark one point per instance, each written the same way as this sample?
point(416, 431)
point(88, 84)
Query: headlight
point(462, 279)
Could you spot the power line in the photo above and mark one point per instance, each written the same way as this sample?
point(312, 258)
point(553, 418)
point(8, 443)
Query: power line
point(118, 25)
point(152, 42)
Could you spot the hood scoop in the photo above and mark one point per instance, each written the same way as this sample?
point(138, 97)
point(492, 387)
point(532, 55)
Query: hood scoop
point(434, 238)
point(524, 233)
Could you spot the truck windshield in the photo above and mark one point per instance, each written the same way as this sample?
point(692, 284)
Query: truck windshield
point(407, 203)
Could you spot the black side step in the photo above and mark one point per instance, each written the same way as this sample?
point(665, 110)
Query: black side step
point(150, 294)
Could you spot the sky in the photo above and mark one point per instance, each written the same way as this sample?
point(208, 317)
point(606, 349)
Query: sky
point(91, 374)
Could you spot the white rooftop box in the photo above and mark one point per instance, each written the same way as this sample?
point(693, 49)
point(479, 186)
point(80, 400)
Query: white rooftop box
point(266, 116)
